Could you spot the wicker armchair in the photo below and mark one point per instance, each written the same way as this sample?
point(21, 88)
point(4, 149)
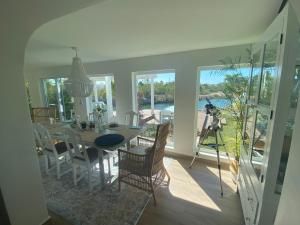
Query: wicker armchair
point(143, 167)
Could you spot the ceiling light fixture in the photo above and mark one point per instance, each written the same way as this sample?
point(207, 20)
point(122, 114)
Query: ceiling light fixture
point(78, 84)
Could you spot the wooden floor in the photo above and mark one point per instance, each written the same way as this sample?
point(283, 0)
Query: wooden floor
point(193, 198)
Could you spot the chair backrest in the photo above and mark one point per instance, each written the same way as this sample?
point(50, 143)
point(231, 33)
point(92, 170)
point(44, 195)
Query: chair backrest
point(78, 147)
point(132, 118)
point(47, 141)
point(42, 114)
point(159, 146)
point(37, 135)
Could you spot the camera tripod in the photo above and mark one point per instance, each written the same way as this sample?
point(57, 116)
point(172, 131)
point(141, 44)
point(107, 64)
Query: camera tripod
point(215, 129)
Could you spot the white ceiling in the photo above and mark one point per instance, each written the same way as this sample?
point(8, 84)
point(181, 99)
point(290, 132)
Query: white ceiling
point(116, 29)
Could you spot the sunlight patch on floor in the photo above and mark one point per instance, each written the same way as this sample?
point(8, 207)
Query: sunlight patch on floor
point(182, 188)
point(226, 178)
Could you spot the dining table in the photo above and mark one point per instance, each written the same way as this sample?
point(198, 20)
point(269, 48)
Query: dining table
point(88, 136)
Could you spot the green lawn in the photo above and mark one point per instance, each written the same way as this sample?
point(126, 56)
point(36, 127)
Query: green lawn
point(227, 131)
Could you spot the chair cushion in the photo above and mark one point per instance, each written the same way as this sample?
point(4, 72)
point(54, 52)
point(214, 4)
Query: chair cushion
point(60, 147)
point(108, 140)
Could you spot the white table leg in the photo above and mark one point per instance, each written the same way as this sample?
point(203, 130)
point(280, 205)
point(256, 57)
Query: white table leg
point(101, 168)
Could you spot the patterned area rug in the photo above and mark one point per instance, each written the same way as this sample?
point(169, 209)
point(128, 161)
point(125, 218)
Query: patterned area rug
point(80, 206)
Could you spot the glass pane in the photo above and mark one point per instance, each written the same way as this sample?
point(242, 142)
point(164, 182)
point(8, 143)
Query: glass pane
point(143, 93)
point(248, 128)
point(225, 88)
point(67, 101)
point(51, 94)
point(103, 97)
point(259, 142)
point(256, 71)
point(289, 128)
point(155, 95)
point(164, 96)
point(113, 90)
point(269, 71)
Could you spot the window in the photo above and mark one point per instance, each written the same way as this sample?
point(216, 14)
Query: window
point(226, 90)
point(55, 95)
point(154, 93)
point(103, 95)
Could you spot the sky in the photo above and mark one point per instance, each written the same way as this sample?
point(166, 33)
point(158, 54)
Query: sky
point(164, 77)
point(216, 77)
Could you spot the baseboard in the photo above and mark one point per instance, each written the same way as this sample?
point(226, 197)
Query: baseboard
point(210, 161)
point(45, 221)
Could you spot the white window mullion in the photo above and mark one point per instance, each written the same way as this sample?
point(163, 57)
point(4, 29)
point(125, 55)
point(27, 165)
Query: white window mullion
point(109, 96)
point(59, 99)
point(152, 94)
point(95, 92)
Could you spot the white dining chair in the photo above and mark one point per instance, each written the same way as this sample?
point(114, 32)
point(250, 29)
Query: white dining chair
point(52, 149)
point(131, 118)
point(37, 138)
point(83, 156)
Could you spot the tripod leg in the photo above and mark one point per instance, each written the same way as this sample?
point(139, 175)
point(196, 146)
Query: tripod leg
point(190, 166)
point(199, 144)
point(221, 138)
point(219, 165)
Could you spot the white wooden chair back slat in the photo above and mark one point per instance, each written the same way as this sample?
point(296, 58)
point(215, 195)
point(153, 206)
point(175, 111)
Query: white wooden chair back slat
point(79, 148)
point(46, 139)
point(37, 135)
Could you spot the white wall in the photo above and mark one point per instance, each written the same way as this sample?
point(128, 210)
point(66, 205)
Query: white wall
point(20, 178)
point(296, 6)
point(185, 65)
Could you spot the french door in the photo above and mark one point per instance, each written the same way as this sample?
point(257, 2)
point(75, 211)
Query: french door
point(270, 114)
point(260, 103)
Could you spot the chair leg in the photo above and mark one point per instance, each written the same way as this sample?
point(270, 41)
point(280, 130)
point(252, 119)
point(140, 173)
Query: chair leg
point(109, 168)
point(74, 175)
point(119, 182)
point(114, 160)
point(168, 175)
point(90, 178)
point(153, 194)
point(154, 198)
point(46, 164)
point(57, 170)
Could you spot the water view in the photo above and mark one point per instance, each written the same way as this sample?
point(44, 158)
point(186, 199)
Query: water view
point(219, 103)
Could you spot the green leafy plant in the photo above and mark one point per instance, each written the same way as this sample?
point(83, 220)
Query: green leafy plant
point(235, 88)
